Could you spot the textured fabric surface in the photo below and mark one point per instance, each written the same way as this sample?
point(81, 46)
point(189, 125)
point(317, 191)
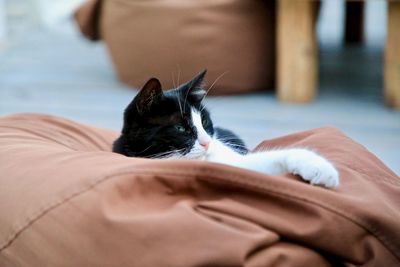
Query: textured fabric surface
point(174, 40)
point(66, 200)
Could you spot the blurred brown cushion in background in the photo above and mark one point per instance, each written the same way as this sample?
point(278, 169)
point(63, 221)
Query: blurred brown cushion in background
point(87, 17)
point(173, 40)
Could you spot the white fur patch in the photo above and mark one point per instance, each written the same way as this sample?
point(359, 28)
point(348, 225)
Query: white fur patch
point(202, 135)
point(198, 150)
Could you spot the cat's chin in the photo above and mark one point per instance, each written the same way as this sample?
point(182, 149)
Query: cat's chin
point(197, 152)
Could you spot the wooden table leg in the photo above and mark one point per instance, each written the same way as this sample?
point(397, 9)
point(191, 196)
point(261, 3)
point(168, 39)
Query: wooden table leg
point(392, 56)
point(297, 66)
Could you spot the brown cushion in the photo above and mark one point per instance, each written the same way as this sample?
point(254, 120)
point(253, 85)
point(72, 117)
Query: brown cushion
point(174, 40)
point(66, 200)
point(88, 17)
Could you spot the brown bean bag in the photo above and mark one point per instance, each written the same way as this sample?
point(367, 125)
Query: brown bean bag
point(66, 200)
point(175, 39)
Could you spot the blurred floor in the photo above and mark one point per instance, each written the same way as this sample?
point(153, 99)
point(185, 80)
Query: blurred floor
point(61, 74)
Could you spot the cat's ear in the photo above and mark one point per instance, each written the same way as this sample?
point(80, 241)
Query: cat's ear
point(148, 95)
point(194, 89)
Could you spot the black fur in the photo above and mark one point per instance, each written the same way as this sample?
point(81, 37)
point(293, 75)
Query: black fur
point(231, 140)
point(157, 122)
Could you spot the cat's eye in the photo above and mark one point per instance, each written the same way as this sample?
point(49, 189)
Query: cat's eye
point(180, 128)
point(204, 122)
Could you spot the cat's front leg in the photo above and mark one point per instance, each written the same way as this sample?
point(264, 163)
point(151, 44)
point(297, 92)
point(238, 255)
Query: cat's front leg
point(303, 162)
point(221, 153)
point(311, 167)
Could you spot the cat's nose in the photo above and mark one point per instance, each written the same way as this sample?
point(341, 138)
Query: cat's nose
point(205, 144)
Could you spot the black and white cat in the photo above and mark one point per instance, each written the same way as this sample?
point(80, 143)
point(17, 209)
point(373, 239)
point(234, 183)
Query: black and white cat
point(175, 124)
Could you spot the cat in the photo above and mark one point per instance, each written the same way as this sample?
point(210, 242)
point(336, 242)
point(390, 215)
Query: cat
point(175, 124)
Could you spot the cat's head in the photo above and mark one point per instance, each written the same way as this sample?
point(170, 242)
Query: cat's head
point(168, 123)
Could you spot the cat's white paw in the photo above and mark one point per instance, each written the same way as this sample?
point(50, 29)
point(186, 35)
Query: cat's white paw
point(313, 168)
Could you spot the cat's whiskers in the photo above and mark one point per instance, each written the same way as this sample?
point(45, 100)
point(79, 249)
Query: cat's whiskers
point(176, 91)
point(179, 102)
point(180, 106)
point(179, 74)
point(173, 79)
point(216, 80)
point(147, 148)
point(195, 153)
point(167, 154)
point(212, 85)
point(176, 154)
point(159, 155)
point(184, 102)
